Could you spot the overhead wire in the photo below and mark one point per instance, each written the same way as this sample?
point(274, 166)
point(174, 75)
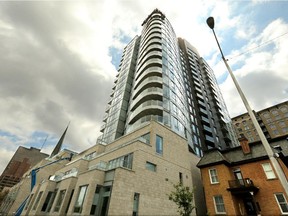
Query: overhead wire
point(260, 45)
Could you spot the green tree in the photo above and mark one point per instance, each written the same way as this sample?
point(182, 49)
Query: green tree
point(183, 198)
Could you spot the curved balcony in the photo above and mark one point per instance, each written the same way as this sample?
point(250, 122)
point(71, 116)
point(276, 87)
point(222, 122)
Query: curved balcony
point(151, 41)
point(155, 32)
point(151, 81)
point(148, 72)
point(148, 94)
point(149, 28)
point(102, 128)
point(145, 41)
point(149, 50)
point(149, 37)
point(154, 45)
point(143, 121)
point(148, 64)
point(148, 56)
point(144, 111)
point(152, 31)
point(154, 21)
point(145, 45)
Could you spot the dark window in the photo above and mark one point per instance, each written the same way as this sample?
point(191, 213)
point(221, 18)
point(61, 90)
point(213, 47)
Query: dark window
point(180, 178)
point(47, 200)
point(51, 200)
point(146, 137)
point(95, 200)
point(72, 192)
point(151, 166)
point(59, 200)
point(136, 204)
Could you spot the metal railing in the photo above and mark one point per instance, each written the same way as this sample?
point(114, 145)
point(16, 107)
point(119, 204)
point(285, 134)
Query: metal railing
point(241, 183)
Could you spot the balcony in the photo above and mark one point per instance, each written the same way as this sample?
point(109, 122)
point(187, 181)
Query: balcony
point(102, 128)
point(209, 138)
point(204, 119)
point(206, 128)
point(224, 128)
point(203, 111)
point(201, 103)
point(227, 138)
point(242, 186)
point(105, 117)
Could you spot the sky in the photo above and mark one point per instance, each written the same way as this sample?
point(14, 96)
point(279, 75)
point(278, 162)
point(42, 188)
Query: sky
point(59, 60)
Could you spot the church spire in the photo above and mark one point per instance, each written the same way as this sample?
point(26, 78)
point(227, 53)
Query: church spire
point(59, 144)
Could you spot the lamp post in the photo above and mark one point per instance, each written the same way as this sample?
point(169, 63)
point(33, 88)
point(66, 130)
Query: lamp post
point(267, 147)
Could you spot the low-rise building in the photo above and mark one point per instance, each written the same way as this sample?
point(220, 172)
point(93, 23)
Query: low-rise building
point(23, 159)
point(131, 176)
point(19, 192)
point(242, 181)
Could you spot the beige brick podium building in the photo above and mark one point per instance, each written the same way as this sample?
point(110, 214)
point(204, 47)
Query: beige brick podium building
point(130, 176)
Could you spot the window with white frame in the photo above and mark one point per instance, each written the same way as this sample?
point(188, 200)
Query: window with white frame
point(213, 176)
point(282, 202)
point(268, 171)
point(219, 204)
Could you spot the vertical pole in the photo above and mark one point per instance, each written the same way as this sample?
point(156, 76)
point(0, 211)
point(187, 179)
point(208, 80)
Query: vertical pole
point(262, 137)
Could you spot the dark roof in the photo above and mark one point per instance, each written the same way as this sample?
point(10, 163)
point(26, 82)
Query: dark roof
point(235, 155)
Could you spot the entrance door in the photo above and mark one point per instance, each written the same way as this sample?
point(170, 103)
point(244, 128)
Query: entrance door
point(249, 206)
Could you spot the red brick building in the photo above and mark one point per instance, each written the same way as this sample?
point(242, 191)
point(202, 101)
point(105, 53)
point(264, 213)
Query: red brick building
point(241, 181)
point(22, 160)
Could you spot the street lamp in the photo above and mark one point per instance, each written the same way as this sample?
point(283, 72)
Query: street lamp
point(267, 147)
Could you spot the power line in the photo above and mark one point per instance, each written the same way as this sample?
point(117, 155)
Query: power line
point(265, 43)
point(44, 142)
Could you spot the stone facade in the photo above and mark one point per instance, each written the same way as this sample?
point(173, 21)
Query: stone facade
point(20, 191)
point(125, 177)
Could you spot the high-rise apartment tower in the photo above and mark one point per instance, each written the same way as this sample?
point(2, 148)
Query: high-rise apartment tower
point(163, 78)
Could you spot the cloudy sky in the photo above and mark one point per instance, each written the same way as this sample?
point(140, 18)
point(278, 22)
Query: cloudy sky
point(59, 60)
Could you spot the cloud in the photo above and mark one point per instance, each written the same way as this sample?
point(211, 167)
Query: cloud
point(52, 72)
point(262, 75)
point(56, 62)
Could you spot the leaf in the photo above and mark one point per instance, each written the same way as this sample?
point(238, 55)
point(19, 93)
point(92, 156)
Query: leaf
point(183, 198)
